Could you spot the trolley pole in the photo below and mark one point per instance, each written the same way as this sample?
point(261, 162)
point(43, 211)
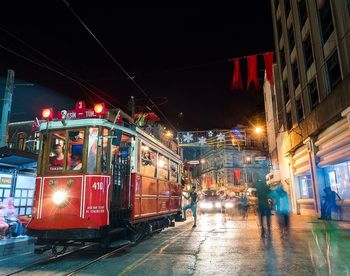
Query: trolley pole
point(5, 105)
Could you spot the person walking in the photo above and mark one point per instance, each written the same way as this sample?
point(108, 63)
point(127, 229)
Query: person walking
point(193, 198)
point(283, 209)
point(245, 206)
point(328, 203)
point(263, 193)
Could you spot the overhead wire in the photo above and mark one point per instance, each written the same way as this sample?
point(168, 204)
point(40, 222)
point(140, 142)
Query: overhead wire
point(132, 78)
point(43, 65)
point(59, 65)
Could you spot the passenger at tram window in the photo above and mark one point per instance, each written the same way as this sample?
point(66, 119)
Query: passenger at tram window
point(76, 163)
point(57, 160)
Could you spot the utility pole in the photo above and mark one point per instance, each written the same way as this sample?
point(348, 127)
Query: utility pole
point(5, 106)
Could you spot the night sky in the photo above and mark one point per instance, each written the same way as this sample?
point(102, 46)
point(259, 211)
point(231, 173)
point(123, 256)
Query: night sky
point(177, 53)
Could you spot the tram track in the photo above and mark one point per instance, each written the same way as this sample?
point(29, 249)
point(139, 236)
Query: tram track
point(49, 260)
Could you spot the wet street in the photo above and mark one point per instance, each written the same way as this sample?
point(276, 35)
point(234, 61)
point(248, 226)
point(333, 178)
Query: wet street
point(220, 245)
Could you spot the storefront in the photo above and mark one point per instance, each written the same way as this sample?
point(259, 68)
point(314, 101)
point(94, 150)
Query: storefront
point(303, 185)
point(334, 158)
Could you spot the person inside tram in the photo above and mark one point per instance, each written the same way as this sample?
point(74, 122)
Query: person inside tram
point(76, 163)
point(58, 159)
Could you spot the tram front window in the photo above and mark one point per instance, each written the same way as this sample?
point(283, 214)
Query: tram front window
point(56, 158)
point(75, 150)
point(66, 151)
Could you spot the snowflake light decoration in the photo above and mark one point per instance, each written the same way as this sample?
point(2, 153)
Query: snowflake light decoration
point(188, 137)
point(210, 133)
point(220, 137)
point(202, 140)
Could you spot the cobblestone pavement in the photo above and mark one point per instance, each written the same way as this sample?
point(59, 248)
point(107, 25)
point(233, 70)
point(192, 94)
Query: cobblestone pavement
point(228, 245)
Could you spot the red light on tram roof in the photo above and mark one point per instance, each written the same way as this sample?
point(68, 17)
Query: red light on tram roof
point(47, 113)
point(99, 108)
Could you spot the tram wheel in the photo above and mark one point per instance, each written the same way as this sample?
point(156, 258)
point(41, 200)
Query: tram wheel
point(58, 250)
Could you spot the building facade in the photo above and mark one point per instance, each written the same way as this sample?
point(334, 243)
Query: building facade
point(311, 100)
point(234, 168)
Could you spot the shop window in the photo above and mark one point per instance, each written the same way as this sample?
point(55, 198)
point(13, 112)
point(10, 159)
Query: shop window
point(326, 20)
point(92, 150)
point(333, 70)
point(291, 38)
point(56, 155)
point(313, 94)
point(289, 121)
point(302, 12)
point(305, 187)
point(286, 91)
point(163, 167)
point(174, 171)
point(339, 179)
point(308, 55)
point(104, 151)
point(149, 161)
point(295, 74)
point(299, 109)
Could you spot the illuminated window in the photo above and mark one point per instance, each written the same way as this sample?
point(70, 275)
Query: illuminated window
point(174, 171)
point(163, 167)
point(92, 149)
point(56, 156)
point(104, 152)
point(148, 161)
point(305, 187)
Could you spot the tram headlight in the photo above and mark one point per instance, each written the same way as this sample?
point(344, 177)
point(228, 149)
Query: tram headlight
point(60, 197)
point(217, 205)
point(228, 205)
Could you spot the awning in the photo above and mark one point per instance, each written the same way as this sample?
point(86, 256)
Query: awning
point(17, 159)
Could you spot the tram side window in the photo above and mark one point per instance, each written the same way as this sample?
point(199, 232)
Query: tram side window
point(104, 155)
point(163, 167)
point(174, 171)
point(75, 150)
point(148, 158)
point(92, 149)
point(56, 156)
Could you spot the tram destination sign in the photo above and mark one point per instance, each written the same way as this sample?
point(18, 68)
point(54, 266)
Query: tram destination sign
point(79, 112)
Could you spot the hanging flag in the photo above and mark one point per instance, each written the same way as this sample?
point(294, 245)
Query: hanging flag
point(237, 173)
point(237, 79)
point(36, 124)
point(252, 72)
point(268, 60)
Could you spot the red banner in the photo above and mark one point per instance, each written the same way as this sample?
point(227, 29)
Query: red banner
point(252, 72)
point(237, 79)
point(268, 59)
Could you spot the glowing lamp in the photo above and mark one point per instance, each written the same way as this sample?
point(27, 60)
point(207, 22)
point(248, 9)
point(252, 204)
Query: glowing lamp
point(60, 197)
point(258, 130)
point(99, 108)
point(47, 113)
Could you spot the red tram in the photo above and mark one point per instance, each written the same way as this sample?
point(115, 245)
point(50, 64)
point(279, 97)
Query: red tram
point(97, 178)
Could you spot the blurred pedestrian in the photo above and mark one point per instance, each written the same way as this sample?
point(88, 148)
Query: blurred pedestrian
point(328, 203)
point(15, 225)
point(193, 198)
point(245, 206)
point(263, 193)
point(283, 209)
point(3, 224)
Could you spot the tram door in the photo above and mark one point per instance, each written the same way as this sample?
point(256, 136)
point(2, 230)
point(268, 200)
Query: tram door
point(120, 181)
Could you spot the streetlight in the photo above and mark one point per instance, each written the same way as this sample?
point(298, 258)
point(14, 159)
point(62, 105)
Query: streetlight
point(202, 161)
point(258, 130)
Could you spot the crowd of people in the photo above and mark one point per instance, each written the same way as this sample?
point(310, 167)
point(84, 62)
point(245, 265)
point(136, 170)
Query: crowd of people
point(10, 225)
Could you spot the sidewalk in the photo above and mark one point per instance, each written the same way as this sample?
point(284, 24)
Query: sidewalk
point(18, 245)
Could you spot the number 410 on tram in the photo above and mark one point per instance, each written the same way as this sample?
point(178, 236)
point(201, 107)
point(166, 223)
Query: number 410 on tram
point(98, 178)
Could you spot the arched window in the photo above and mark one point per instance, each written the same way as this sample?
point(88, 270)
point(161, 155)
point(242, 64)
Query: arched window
point(20, 141)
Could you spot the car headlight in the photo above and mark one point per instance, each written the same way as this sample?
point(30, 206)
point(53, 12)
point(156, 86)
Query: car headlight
point(228, 205)
point(217, 204)
point(206, 205)
point(60, 197)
